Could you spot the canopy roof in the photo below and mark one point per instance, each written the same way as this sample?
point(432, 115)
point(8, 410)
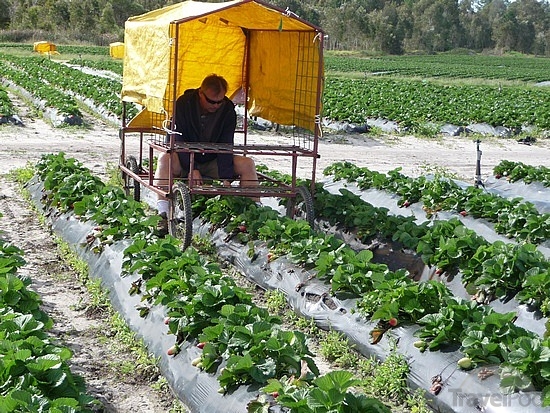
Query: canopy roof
point(269, 55)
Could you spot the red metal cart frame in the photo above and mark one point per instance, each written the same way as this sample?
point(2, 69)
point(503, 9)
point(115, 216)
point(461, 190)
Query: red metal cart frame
point(137, 167)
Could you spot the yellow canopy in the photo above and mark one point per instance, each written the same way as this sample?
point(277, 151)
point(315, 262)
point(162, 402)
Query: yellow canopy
point(270, 55)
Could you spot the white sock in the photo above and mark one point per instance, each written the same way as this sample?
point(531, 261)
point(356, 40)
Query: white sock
point(162, 206)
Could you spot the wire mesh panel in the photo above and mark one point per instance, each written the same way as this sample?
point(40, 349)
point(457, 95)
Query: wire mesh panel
point(306, 89)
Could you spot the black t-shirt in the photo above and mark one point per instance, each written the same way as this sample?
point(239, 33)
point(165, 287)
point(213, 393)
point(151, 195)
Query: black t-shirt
point(216, 127)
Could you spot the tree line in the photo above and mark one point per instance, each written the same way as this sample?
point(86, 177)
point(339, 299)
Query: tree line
point(375, 26)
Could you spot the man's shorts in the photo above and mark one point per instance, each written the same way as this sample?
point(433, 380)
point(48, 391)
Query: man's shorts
point(208, 169)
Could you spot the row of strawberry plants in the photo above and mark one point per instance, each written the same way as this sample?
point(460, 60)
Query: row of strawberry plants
point(445, 65)
point(6, 105)
point(513, 218)
point(34, 370)
point(494, 270)
point(102, 91)
point(486, 337)
point(499, 269)
point(414, 102)
point(356, 100)
point(62, 49)
point(390, 296)
point(203, 304)
point(487, 67)
point(83, 50)
point(114, 66)
point(519, 171)
point(45, 92)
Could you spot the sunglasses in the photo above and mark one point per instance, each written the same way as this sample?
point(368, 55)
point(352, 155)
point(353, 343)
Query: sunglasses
point(212, 102)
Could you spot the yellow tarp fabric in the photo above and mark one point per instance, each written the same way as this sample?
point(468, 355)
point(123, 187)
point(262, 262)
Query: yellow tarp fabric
point(116, 50)
point(215, 38)
point(45, 48)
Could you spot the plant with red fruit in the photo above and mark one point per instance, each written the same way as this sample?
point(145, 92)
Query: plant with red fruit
point(172, 351)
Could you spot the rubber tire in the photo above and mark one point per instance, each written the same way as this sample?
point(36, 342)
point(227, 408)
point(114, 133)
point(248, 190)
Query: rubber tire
point(132, 186)
point(180, 219)
point(302, 202)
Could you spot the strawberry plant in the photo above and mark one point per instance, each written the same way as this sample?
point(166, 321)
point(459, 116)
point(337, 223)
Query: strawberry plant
point(332, 392)
point(10, 257)
point(535, 289)
point(449, 245)
point(488, 339)
point(34, 371)
point(499, 269)
point(229, 333)
point(200, 307)
point(117, 216)
point(518, 171)
point(527, 363)
point(272, 352)
point(400, 298)
point(446, 327)
point(308, 251)
point(6, 106)
point(353, 272)
point(52, 169)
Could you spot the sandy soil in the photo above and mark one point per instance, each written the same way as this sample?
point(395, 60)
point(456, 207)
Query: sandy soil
point(97, 146)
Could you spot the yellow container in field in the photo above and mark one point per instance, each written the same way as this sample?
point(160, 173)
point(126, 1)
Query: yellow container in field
point(45, 48)
point(116, 50)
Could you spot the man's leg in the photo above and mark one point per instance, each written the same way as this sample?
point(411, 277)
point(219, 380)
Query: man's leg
point(162, 174)
point(246, 169)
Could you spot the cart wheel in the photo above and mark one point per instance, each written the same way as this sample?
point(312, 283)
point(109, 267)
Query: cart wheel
point(131, 185)
point(180, 222)
point(301, 206)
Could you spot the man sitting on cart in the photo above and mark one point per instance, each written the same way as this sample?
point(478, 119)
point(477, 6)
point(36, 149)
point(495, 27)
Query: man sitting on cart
point(204, 115)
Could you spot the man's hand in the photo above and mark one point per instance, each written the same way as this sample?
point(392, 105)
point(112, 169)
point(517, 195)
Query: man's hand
point(226, 183)
point(196, 177)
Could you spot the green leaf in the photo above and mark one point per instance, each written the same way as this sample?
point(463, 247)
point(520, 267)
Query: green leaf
point(545, 395)
point(511, 380)
point(43, 363)
point(339, 379)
